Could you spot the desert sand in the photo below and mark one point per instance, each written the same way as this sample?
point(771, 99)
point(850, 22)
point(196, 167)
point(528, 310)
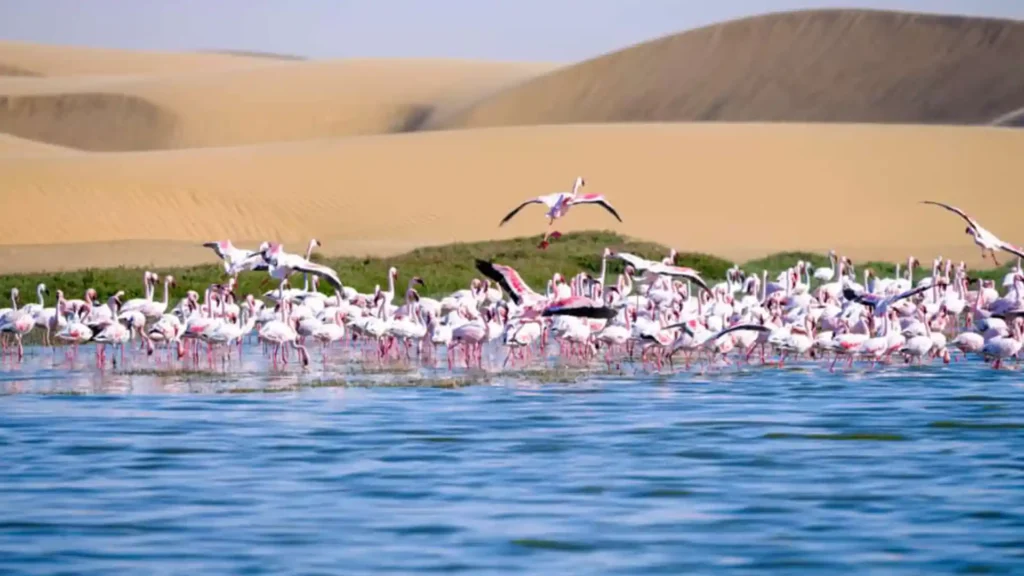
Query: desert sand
point(806, 66)
point(137, 158)
point(265, 101)
point(735, 190)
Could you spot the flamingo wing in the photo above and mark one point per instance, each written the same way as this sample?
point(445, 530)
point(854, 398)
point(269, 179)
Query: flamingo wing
point(579, 307)
point(640, 264)
point(253, 261)
point(908, 294)
point(320, 270)
point(599, 200)
point(680, 272)
point(970, 221)
point(734, 328)
point(518, 208)
point(217, 248)
point(507, 277)
point(1016, 251)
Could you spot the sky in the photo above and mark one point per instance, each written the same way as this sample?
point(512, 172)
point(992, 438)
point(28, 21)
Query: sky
point(535, 30)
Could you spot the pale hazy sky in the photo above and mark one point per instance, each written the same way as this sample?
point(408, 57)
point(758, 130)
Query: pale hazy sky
point(551, 30)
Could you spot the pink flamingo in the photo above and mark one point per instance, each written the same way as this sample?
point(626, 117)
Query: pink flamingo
point(559, 204)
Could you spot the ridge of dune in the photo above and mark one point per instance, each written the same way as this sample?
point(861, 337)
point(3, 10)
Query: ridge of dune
point(55, 60)
point(14, 146)
point(839, 65)
point(272, 101)
point(734, 190)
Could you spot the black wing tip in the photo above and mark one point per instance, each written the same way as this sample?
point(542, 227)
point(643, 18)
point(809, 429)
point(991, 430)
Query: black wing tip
point(600, 312)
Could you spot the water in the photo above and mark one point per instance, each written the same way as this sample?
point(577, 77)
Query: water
point(798, 471)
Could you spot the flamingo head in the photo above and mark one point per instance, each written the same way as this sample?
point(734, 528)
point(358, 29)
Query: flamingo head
point(580, 183)
point(418, 280)
point(969, 231)
point(169, 280)
point(314, 243)
point(393, 272)
point(607, 253)
point(41, 289)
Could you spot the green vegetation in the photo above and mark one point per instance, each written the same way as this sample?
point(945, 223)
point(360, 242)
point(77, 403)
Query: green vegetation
point(443, 268)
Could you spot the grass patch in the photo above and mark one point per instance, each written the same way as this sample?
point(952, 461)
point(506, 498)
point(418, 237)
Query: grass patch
point(443, 268)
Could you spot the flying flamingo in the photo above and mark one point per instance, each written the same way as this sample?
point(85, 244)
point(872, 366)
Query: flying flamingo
point(987, 241)
point(559, 204)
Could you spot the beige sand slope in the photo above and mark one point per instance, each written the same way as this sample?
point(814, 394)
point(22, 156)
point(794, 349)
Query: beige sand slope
point(735, 190)
point(14, 146)
point(28, 59)
point(822, 65)
point(265, 100)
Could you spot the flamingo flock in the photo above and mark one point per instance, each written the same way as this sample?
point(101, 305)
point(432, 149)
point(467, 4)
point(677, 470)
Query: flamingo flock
point(655, 314)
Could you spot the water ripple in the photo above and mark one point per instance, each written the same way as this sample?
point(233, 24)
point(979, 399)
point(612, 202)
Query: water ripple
point(795, 471)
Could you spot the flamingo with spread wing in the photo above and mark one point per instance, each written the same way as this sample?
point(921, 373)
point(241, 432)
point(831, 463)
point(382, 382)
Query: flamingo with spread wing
point(559, 204)
point(652, 269)
point(238, 259)
point(282, 265)
point(511, 282)
point(987, 241)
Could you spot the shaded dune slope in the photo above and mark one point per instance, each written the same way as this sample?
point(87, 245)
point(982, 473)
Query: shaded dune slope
point(746, 190)
point(272, 101)
point(815, 66)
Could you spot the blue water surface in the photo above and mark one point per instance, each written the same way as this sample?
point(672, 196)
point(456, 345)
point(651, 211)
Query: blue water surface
point(797, 471)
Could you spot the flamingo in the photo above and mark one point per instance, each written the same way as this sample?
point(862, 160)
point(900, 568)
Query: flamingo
point(148, 283)
point(653, 270)
point(330, 332)
point(153, 309)
point(115, 334)
point(470, 335)
point(826, 273)
point(35, 308)
point(1002, 347)
point(282, 265)
point(17, 322)
point(282, 332)
point(237, 259)
point(987, 241)
point(559, 204)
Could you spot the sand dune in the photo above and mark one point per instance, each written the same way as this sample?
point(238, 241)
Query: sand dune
point(265, 102)
point(822, 65)
point(736, 190)
point(47, 60)
point(14, 146)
